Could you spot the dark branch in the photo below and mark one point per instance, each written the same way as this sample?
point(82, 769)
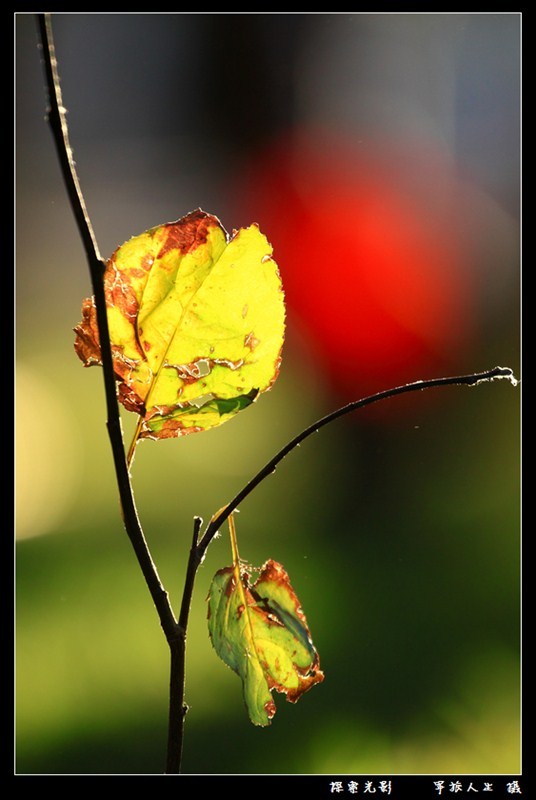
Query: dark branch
point(58, 123)
point(193, 563)
point(60, 133)
point(468, 380)
point(177, 707)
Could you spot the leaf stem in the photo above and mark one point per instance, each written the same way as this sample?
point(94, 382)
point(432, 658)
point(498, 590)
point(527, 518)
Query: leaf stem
point(468, 380)
point(134, 442)
point(234, 544)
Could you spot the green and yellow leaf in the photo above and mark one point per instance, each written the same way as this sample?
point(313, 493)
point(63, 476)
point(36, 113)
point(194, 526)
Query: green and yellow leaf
point(196, 322)
point(260, 631)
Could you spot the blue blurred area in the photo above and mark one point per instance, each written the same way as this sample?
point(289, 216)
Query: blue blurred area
point(400, 530)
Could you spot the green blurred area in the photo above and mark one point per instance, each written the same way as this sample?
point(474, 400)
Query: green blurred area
point(400, 532)
point(403, 546)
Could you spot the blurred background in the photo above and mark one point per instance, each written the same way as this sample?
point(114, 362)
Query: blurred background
point(380, 155)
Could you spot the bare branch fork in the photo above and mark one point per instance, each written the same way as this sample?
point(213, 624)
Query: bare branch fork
point(174, 629)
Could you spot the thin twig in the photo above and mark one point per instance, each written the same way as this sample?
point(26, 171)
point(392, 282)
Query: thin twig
point(177, 707)
point(468, 380)
point(193, 564)
point(58, 123)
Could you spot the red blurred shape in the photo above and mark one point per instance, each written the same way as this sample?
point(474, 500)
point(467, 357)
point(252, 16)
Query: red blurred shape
point(369, 240)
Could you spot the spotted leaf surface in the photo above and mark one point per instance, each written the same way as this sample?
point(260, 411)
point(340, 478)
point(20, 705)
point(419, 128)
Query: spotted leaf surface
point(260, 631)
point(196, 322)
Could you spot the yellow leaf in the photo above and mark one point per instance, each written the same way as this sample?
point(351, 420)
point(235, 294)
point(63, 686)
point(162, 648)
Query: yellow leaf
point(196, 320)
point(260, 631)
